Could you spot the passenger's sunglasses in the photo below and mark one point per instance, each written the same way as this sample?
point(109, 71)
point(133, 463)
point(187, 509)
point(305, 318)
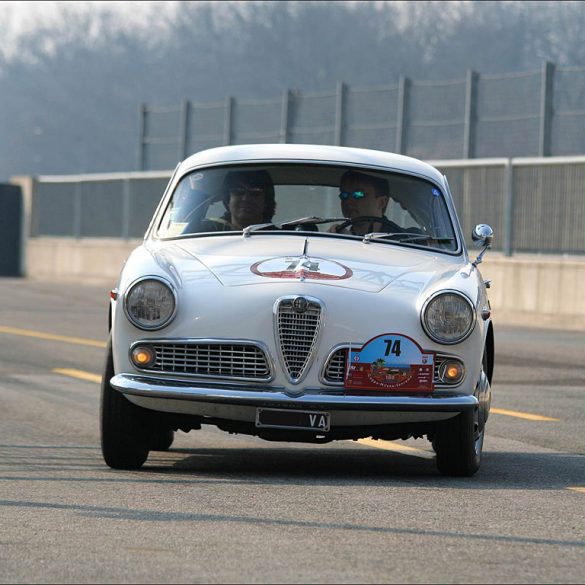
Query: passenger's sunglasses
point(241, 191)
point(345, 195)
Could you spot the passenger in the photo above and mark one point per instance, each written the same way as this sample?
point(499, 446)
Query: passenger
point(248, 198)
point(365, 196)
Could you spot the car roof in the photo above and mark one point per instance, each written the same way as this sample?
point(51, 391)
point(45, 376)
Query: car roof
point(310, 153)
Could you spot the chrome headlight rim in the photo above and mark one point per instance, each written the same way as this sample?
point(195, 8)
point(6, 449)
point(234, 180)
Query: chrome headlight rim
point(140, 280)
point(435, 337)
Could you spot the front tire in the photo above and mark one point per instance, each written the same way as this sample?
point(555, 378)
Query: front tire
point(458, 444)
point(125, 432)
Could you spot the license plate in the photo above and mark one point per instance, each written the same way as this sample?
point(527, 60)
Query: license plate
point(292, 419)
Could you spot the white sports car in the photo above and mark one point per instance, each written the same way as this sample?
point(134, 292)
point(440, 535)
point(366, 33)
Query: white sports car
point(301, 293)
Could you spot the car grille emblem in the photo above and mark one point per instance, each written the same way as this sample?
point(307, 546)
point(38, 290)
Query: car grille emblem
point(300, 305)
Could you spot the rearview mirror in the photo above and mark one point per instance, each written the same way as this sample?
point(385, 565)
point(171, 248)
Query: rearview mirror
point(482, 235)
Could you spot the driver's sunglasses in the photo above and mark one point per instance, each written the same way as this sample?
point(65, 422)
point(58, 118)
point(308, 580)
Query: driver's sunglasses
point(241, 191)
point(345, 195)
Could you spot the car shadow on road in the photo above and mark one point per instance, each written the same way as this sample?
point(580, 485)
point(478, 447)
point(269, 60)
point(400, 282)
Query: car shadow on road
point(500, 470)
point(295, 465)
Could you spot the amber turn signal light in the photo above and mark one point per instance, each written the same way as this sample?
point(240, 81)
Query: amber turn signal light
point(143, 356)
point(453, 372)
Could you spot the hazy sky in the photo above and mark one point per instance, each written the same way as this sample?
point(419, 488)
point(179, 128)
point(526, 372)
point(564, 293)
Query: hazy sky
point(142, 19)
point(19, 18)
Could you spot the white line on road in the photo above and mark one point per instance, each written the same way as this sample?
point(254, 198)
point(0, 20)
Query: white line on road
point(524, 415)
point(397, 447)
point(52, 336)
point(80, 374)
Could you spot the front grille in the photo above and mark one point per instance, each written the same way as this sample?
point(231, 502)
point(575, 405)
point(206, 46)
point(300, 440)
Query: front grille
point(212, 359)
point(335, 368)
point(334, 371)
point(297, 334)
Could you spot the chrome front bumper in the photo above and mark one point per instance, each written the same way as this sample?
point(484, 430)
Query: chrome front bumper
point(179, 390)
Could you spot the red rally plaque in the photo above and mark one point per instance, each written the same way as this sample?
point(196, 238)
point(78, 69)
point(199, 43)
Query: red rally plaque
point(390, 362)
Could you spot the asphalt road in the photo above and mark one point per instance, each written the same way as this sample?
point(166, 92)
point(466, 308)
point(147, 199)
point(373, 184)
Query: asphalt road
point(224, 508)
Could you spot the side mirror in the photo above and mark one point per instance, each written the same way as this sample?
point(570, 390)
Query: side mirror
point(482, 236)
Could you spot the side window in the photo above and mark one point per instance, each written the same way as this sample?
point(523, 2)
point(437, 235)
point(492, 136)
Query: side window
point(196, 198)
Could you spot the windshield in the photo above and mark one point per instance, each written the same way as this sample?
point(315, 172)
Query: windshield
point(337, 201)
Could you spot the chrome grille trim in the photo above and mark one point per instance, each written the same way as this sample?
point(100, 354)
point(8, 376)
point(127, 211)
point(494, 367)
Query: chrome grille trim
point(297, 334)
point(232, 359)
point(333, 372)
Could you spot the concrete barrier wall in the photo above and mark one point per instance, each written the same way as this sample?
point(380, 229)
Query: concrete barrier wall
point(531, 290)
point(536, 290)
point(87, 259)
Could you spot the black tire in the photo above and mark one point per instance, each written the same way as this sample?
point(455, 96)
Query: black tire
point(162, 439)
point(458, 444)
point(125, 429)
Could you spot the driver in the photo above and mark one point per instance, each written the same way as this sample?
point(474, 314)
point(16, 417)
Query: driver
point(363, 195)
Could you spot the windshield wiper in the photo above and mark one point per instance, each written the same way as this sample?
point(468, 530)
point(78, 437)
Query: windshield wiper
point(313, 220)
point(403, 237)
point(408, 237)
point(247, 231)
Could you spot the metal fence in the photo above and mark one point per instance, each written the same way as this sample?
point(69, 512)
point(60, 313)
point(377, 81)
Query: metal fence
point(533, 204)
point(533, 113)
point(116, 205)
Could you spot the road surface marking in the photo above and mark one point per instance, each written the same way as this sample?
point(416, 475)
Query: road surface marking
point(524, 415)
point(80, 374)
point(52, 337)
point(577, 489)
point(399, 448)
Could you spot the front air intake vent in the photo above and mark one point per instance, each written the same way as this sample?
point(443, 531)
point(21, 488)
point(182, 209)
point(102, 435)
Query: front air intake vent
point(297, 323)
point(213, 359)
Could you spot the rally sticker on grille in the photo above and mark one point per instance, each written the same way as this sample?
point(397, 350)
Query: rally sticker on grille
point(301, 267)
point(390, 362)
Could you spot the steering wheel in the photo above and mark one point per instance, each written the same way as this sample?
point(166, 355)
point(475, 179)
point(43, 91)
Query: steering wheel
point(387, 225)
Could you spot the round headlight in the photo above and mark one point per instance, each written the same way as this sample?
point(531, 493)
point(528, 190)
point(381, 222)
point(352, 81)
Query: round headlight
point(448, 318)
point(150, 304)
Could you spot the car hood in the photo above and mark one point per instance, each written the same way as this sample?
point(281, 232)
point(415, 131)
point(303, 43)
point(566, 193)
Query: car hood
point(265, 259)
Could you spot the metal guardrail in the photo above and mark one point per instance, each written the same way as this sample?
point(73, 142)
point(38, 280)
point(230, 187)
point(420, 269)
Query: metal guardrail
point(534, 205)
point(530, 113)
point(114, 205)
